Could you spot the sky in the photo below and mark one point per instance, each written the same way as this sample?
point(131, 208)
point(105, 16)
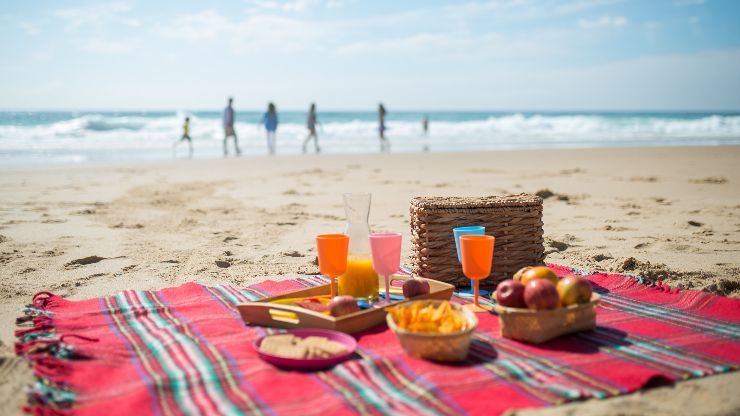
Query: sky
point(590, 55)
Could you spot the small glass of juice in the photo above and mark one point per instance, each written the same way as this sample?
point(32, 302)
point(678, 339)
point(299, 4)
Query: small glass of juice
point(359, 280)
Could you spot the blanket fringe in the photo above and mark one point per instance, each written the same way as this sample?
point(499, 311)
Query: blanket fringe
point(49, 397)
point(40, 410)
point(49, 356)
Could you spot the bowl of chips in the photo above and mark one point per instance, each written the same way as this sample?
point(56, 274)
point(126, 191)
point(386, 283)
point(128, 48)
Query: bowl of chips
point(435, 330)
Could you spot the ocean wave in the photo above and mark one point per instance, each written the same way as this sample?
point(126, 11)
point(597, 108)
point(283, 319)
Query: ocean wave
point(151, 136)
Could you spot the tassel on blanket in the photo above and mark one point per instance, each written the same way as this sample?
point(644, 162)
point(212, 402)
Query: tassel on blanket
point(49, 399)
point(49, 355)
point(40, 410)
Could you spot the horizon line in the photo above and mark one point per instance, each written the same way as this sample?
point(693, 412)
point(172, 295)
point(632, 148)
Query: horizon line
point(402, 110)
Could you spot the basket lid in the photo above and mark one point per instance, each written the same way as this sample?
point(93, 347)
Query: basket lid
point(452, 202)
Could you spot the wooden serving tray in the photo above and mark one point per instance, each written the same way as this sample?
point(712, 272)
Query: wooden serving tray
point(264, 313)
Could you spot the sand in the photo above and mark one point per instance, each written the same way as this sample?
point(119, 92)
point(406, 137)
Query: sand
point(86, 231)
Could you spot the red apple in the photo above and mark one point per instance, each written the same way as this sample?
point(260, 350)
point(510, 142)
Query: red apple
point(415, 287)
point(343, 305)
point(539, 272)
point(574, 289)
point(510, 293)
point(541, 294)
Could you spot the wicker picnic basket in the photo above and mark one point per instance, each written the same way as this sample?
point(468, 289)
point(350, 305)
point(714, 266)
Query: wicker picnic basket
point(537, 326)
point(515, 221)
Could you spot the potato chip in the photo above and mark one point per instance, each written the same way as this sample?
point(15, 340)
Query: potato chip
point(417, 317)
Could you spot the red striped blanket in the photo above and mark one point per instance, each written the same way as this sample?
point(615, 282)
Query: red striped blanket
point(184, 350)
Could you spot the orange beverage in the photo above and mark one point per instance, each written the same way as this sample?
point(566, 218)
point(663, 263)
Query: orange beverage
point(360, 280)
point(332, 253)
point(477, 260)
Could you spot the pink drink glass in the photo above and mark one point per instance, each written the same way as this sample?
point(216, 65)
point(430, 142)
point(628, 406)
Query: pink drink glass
point(386, 251)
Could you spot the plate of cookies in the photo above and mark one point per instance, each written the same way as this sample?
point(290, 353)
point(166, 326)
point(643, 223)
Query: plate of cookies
point(306, 349)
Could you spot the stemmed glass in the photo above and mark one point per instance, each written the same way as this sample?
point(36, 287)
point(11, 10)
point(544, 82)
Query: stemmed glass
point(332, 250)
point(467, 230)
point(477, 259)
point(386, 251)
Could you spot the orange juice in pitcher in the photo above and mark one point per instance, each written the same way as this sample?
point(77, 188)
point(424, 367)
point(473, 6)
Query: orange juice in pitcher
point(359, 280)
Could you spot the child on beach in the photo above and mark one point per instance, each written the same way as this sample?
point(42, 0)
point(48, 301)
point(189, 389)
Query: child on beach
point(185, 136)
point(311, 124)
point(270, 121)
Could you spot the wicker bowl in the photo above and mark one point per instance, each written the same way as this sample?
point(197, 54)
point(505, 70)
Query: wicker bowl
point(537, 326)
point(436, 347)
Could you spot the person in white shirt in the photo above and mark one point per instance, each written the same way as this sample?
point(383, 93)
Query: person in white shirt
point(229, 128)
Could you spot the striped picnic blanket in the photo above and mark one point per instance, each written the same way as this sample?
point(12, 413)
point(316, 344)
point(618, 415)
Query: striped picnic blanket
point(184, 350)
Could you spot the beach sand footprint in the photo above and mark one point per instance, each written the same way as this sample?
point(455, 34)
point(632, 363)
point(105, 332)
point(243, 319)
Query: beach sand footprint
point(643, 179)
point(713, 180)
point(84, 261)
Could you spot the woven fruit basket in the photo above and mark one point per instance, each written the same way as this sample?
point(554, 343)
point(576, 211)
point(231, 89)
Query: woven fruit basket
point(537, 326)
point(437, 347)
point(515, 221)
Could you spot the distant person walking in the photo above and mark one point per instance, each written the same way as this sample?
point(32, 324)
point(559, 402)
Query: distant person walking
point(185, 136)
point(385, 145)
point(270, 121)
point(311, 123)
point(425, 130)
point(229, 129)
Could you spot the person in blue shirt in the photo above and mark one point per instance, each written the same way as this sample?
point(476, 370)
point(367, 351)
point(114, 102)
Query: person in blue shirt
point(270, 121)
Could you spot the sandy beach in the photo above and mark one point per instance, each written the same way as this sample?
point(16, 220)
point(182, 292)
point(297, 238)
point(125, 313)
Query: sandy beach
point(84, 231)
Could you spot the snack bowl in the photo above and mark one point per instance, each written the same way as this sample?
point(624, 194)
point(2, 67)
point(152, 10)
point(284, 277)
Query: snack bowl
point(537, 326)
point(310, 363)
point(433, 346)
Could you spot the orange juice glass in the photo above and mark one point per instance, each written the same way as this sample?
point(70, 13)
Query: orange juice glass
point(360, 280)
point(332, 249)
point(477, 259)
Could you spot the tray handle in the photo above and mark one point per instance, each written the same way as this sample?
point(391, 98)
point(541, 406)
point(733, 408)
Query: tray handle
point(286, 316)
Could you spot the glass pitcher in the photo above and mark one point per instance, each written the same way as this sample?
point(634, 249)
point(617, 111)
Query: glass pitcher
point(360, 280)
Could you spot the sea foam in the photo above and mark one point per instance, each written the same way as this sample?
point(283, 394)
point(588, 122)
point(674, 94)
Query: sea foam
point(71, 137)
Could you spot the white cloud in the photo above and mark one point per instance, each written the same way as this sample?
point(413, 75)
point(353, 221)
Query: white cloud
point(253, 32)
point(603, 22)
point(92, 26)
point(290, 6)
point(131, 22)
point(681, 3)
point(581, 5)
point(30, 28)
point(105, 46)
point(91, 16)
point(207, 24)
point(406, 44)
